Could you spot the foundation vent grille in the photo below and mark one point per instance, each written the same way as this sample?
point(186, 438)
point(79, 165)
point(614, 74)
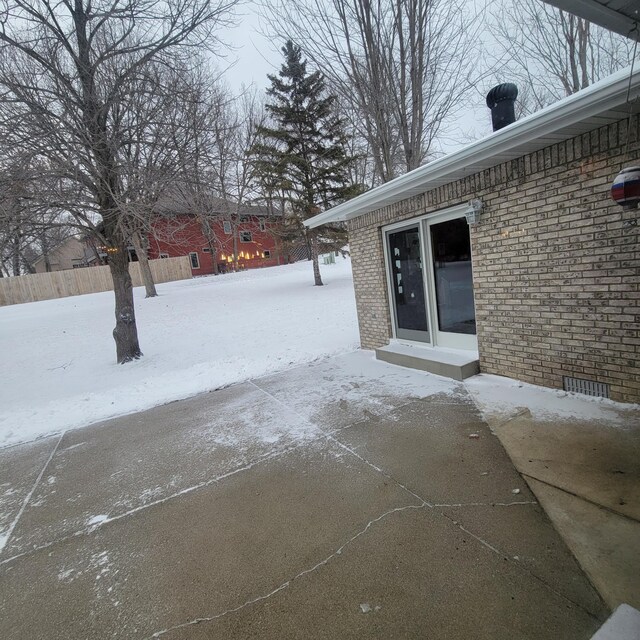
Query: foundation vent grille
point(586, 387)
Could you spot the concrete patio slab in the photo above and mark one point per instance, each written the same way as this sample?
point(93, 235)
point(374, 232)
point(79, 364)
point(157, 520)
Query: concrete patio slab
point(596, 460)
point(246, 507)
point(524, 534)
point(210, 550)
point(360, 388)
point(437, 583)
point(19, 469)
point(606, 545)
point(442, 450)
point(145, 458)
point(586, 474)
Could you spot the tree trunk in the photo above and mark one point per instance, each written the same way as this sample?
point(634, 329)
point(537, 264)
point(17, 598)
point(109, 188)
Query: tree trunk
point(208, 234)
point(125, 334)
point(316, 266)
point(145, 269)
point(234, 228)
point(45, 252)
point(15, 256)
point(214, 255)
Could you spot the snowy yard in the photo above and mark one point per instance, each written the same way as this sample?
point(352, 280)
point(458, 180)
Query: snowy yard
point(58, 356)
point(59, 369)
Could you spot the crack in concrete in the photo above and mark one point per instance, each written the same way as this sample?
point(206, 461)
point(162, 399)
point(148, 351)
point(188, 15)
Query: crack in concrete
point(486, 504)
point(89, 530)
point(426, 504)
point(4, 539)
point(599, 505)
point(338, 552)
point(380, 471)
point(520, 567)
point(265, 458)
point(329, 435)
point(289, 582)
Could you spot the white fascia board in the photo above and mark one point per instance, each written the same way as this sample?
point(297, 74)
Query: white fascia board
point(598, 98)
point(599, 13)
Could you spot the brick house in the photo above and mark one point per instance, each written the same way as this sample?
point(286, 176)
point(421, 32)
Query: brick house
point(210, 242)
point(545, 287)
point(211, 245)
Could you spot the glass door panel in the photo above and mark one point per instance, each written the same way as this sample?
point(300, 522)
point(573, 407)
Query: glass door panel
point(452, 275)
point(407, 284)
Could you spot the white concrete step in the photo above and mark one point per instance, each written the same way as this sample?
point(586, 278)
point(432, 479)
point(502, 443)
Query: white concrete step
point(449, 363)
point(624, 624)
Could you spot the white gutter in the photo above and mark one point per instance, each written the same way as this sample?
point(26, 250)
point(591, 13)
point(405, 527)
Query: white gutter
point(596, 99)
point(600, 13)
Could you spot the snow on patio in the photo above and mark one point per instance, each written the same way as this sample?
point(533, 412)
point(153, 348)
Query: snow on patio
point(59, 370)
point(500, 398)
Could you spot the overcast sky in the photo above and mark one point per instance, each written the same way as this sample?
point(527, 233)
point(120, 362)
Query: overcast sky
point(255, 56)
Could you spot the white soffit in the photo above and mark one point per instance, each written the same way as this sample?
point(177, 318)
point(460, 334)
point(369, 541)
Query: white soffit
point(621, 16)
point(598, 105)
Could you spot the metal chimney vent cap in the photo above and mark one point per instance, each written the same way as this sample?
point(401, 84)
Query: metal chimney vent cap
point(504, 91)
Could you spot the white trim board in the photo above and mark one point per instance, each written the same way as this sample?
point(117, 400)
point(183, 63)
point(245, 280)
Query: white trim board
point(600, 104)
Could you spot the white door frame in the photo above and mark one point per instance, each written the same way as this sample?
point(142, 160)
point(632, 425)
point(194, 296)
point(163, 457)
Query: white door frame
point(437, 338)
point(399, 226)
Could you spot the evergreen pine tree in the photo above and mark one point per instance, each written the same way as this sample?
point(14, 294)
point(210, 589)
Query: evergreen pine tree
point(302, 155)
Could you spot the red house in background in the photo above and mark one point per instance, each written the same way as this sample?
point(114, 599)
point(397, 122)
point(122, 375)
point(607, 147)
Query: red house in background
point(212, 242)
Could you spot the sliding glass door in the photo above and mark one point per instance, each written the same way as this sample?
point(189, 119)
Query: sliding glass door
point(452, 278)
point(407, 284)
point(431, 281)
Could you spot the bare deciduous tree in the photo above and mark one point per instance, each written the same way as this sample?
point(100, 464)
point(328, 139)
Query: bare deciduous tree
point(217, 183)
point(235, 136)
point(155, 154)
point(405, 65)
point(65, 75)
point(29, 226)
point(551, 53)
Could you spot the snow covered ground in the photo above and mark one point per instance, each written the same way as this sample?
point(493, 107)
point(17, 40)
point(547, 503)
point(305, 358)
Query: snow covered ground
point(500, 398)
point(58, 356)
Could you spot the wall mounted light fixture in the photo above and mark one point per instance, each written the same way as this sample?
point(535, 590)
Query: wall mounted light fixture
point(473, 211)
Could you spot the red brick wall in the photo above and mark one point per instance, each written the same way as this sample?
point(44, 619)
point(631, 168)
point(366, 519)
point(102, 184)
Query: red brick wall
point(182, 235)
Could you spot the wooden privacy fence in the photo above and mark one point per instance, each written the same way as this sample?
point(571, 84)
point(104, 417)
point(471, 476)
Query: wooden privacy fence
point(75, 282)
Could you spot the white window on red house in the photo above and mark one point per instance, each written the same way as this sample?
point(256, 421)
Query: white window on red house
point(244, 218)
point(266, 253)
point(263, 225)
point(227, 227)
point(195, 262)
point(245, 236)
point(164, 255)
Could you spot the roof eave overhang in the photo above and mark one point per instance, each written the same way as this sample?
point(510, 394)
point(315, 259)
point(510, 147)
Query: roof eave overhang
point(601, 14)
point(596, 99)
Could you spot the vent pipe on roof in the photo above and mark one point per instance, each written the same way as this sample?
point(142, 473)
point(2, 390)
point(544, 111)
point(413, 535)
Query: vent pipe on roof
point(501, 101)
